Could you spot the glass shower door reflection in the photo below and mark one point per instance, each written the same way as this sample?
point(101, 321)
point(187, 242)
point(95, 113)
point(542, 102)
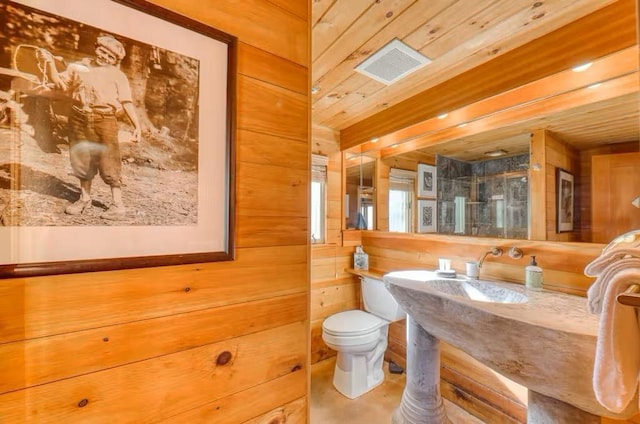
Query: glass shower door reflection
point(517, 206)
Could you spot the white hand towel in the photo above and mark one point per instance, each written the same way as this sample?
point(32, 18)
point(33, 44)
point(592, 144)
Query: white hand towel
point(617, 362)
point(604, 267)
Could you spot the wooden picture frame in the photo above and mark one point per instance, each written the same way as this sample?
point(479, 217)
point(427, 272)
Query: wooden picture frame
point(427, 180)
point(427, 216)
point(177, 181)
point(565, 190)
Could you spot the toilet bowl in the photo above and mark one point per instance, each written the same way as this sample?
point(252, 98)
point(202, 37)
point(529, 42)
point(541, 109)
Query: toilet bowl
point(360, 338)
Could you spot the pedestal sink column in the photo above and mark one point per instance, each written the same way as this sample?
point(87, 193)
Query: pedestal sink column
point(421, 400)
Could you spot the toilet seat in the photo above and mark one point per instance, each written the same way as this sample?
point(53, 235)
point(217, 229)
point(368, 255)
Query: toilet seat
point(352, 328)
point(352, 323)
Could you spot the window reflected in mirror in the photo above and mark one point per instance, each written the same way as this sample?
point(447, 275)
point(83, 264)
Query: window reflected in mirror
point(359, 197)
point(318, 198)
point(401, 193)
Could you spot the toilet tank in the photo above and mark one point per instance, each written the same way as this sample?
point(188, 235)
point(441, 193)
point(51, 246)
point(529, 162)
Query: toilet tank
point(378, 300)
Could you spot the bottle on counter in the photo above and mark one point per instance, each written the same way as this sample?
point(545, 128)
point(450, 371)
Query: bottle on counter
point(533, 275)
point(360, 259)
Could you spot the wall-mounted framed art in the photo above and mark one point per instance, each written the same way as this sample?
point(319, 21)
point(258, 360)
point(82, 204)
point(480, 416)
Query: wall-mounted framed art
point(162, 144)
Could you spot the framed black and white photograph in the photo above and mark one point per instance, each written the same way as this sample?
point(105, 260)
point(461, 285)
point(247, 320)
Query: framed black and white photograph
point(427, 216)
point(566, 196)
point(427, 181)
point(117, 128)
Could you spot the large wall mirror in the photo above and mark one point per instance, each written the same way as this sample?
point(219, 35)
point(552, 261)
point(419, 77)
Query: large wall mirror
point(554, 157)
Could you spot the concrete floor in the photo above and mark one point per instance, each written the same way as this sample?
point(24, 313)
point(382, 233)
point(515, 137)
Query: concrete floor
point(328, 406)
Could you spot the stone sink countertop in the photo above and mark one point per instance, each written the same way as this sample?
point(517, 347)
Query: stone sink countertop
point(549, 309)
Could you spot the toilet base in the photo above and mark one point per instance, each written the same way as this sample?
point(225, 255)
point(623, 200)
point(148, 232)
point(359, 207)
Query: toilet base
point(356, 382)
point(357, 373)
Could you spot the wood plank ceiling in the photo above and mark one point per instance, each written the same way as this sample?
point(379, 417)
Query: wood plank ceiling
point(500, 66)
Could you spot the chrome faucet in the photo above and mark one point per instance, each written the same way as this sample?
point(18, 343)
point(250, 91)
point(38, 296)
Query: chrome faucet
point(494, 251)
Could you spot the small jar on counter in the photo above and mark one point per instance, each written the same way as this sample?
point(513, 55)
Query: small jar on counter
point(360, 259)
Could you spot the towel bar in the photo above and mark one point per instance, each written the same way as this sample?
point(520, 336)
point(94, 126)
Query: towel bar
point(631, 296)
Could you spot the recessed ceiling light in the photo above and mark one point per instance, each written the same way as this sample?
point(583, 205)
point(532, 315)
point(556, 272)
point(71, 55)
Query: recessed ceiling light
point(596, 85)
point(375, 139)
point(443, 115)
point(583, 67)
point(496, 153)
point(393, 146)
point(464, 124)
point(315, 89)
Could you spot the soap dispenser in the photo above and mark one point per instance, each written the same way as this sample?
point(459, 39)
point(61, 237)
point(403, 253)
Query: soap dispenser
point(360, 259)
point(533, 275)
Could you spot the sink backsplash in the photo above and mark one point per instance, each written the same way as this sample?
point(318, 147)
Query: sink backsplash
point(563, 263)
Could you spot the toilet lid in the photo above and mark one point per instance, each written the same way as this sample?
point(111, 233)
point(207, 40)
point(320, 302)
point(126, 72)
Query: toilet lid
point(352, 322)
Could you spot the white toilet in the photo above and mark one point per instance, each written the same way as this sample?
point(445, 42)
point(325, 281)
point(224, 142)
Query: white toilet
point(360, 338)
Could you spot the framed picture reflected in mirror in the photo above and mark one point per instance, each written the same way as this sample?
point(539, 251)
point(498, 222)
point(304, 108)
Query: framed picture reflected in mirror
point(566, 199)
point(427, 216)
point(427, 181)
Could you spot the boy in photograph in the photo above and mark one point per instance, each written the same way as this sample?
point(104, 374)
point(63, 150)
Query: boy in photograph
point(99, 91)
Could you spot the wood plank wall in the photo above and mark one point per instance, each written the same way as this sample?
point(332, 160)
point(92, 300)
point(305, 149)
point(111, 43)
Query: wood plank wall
point(584, 181)
point(548, 153)
point(559, 155)
point(381, 186)
point(551, 153)
point(216, 342)
point(333, 289)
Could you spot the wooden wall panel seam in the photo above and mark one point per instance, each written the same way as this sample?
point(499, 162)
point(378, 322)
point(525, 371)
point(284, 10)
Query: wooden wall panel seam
point(272, 231)
point(294, 412)
point(259, 23)
point(270, 109)
point(258, 149)
point(258, 63)
point(233, 409)
point(294, 11)
point(269, 133)
point(270, 190)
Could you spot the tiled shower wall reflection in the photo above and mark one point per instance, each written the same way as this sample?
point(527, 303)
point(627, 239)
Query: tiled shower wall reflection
point(487, 198)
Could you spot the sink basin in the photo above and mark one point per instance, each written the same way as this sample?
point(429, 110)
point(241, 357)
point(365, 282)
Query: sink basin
point(480, 291)
point(477, 290)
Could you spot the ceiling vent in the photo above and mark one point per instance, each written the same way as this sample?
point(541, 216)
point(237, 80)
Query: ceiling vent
point(392, 62)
